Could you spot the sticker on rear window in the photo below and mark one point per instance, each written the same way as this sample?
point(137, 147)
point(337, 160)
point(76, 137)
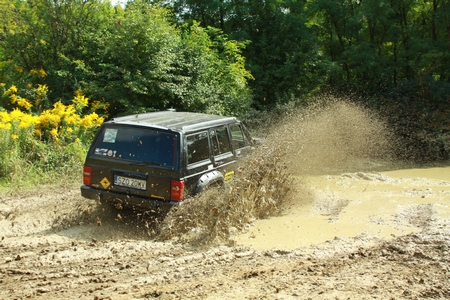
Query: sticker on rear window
point(110, 135)
point(101, 151)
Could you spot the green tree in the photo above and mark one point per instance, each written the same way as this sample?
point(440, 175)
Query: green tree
point(375, 44)
point(134, 58)
point(51, 35)
point(282, 54)
point(210, 13)
point(216, 71)
point(137, 58)
point(150, 64)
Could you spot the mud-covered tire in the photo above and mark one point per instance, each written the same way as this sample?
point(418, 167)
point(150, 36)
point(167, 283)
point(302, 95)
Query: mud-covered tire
point(209, 180)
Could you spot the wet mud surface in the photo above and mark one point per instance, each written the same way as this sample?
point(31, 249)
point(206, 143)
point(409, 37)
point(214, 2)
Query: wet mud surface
point(57, 245)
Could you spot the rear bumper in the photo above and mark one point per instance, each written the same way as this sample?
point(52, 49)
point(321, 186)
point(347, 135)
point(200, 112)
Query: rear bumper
point(125, 200)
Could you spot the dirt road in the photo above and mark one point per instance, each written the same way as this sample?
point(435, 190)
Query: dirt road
point(57, 245)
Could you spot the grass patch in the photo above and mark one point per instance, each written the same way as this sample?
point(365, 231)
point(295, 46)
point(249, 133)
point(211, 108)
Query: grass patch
point(31, 163)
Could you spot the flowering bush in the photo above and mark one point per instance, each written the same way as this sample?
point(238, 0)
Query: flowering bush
point(47, 140)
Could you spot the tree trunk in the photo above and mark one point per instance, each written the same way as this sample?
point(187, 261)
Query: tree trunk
point(433, 22)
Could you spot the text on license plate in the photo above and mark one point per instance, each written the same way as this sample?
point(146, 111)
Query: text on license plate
point(130, 182)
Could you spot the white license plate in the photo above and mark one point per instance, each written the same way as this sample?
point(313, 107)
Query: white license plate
point(130, 182)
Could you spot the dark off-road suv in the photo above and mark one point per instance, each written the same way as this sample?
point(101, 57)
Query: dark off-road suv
point(158, 159)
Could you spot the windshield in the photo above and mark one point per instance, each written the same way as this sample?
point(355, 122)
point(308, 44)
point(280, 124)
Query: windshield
point(137, 144)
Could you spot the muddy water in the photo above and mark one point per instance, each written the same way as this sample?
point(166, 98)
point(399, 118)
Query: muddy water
point(359, 204)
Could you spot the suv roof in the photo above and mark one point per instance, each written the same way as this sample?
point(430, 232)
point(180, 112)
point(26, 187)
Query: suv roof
point(176, 121)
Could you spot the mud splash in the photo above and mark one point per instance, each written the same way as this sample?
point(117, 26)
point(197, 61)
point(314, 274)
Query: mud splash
point(261, 185)
point(330, 136)
point(334, 136)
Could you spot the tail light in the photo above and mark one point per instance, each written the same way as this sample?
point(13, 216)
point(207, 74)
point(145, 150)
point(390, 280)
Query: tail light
point(87, 173)
point(177, 190)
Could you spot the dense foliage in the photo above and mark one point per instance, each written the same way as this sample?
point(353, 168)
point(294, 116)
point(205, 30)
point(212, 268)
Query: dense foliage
point(222, 57)
point(363, 46)
point(135, 59)
point(392, 55)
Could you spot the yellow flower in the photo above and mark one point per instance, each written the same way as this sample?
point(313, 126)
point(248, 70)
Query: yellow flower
point(13, 98)
point(97, 104)
point(4, 117)
point(42, 90)
point(44, 120)
point(2, 84)
point(80, 101)
point(24, 103)
point(6, 126)
point(100, 121)
point(59, 109)
point(70, 110)
point(11, 90)
point(54, 132)
point(72, 119)
point(16, 115)
point(47, 119)
point(14, 136)
point(91, 121)
point(28, 120)
point(42, 73)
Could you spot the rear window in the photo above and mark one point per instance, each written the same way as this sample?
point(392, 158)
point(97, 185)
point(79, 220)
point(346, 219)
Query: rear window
point(137, 144)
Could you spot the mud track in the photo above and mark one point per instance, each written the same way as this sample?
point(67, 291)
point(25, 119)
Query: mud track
point(57, 245)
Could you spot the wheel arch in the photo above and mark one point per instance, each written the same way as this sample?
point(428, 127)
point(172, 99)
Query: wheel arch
point(208, 179)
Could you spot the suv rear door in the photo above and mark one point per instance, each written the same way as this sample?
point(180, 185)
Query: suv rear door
point(221, 146)
point(135, 160)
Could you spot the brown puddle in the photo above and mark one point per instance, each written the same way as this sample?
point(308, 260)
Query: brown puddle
point(374, 205)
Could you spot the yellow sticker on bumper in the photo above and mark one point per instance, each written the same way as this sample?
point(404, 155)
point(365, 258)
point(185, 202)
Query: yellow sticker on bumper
point(229, 176)
point(105, 183)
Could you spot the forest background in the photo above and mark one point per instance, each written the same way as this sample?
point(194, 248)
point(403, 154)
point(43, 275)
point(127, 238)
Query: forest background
point(68, 65)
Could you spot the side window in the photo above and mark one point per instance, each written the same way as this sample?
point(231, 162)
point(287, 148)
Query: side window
point(237, 136)
point(197, 147)
point(220, 141)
